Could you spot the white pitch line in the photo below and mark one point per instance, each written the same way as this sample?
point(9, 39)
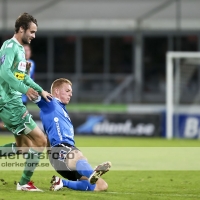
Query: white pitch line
point(170, 195)
point(177, 195)
point(131, 193)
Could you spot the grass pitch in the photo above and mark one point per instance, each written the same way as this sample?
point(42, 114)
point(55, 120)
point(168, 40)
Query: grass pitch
point(123, 184)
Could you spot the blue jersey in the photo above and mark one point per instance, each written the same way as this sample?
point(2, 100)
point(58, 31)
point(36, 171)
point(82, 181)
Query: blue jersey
point(56, 122)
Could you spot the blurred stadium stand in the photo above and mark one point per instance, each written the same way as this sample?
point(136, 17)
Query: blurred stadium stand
point(112, 50)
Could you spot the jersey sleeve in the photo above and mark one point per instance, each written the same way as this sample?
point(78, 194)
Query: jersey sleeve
point(28, 81)
point(6, 74)
point(45, 106)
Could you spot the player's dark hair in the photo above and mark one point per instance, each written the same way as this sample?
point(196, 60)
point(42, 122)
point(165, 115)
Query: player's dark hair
point(24, 21)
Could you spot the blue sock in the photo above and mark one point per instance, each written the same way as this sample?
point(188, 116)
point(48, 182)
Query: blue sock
point(84, 168)
point(82, 185)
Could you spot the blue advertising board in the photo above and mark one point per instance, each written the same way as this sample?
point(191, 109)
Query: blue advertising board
point(184, 125)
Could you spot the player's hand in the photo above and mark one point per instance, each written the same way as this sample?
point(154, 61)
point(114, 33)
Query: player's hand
point(47, 96)
point(28, 67)
point(32, 94)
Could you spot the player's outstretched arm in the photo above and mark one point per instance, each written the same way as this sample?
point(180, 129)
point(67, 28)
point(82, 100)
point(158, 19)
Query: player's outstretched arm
point(47, 96)
point(45, 106)
point(32, 94)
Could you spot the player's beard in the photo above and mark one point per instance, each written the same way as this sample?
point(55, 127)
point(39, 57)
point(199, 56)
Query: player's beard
point(25, 39)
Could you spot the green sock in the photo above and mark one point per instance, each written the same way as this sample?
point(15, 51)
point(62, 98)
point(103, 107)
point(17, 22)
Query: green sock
point(32, 159)
point(8, 149)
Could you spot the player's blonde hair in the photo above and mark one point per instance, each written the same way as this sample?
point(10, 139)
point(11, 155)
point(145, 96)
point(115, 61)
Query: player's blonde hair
point(58, 83)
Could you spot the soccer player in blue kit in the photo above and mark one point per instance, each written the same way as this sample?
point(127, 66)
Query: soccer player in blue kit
point(65, 157)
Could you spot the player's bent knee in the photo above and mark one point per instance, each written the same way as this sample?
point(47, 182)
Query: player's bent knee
point(104, 186)
point(101, 185)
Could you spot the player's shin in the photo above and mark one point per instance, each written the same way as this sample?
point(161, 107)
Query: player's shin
point(84, 168)
point(82, 185)
point(32, 160)
point(8, 150)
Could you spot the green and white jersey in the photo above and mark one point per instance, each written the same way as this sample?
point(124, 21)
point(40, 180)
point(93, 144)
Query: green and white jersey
point(14, 79)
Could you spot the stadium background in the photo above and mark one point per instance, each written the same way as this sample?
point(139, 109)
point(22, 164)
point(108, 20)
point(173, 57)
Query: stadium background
point(114, 52)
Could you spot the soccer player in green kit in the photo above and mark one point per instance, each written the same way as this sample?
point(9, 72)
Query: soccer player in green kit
point(14, 80)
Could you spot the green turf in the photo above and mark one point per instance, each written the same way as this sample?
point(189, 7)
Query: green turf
point(123, 184)
point(110, 141)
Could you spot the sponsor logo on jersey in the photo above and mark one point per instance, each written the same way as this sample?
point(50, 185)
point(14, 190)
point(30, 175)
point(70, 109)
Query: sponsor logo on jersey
point(2, 59)
point(58, 127)
point(56, 119)
point(22, 66)
point(19, 76)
